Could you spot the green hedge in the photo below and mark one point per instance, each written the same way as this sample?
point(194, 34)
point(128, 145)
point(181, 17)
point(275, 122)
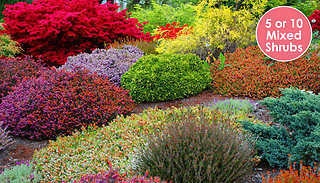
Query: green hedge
point(166, 77)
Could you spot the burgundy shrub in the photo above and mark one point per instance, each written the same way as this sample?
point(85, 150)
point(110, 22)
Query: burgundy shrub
point(58, 102)
point(114, 176)
point(314, 19)
point(13, 70)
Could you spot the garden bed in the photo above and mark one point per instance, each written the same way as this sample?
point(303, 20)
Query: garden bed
point(23, 149)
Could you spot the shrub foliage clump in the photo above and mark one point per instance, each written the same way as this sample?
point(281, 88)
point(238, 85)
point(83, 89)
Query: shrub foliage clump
point(195, 149)
point(3, 4)
point(171, 31)
point(147, 47)
point(298, 113)
point(153, 15)
point(113, 176)
point(56, 29)
point(217, 28)
point(13, 70)
point(111, 63)
point(166, 77)
point(8, 47)
point(23, 172)
point(90, 151)
point(303, 174)
point(249, 73)
point(58, 102)
point(314, 19)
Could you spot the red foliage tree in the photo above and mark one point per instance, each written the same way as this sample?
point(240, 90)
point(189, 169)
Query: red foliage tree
point(171, 31)
point(314, 19)
point(56, 29)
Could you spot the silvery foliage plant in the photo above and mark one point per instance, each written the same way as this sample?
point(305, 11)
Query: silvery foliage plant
point(5, 139)
point(111, 63)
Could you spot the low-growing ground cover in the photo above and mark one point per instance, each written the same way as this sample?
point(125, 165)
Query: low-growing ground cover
point(90, 150)
point(114, 176)
point(22, 172)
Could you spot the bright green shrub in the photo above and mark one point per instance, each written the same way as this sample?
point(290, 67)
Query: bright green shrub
point(159, 15)
point(275, 3)
point(298, 113)
point(197, 149)
point(89, 151)
point(307, 6)
point(166, 77)
point(217, 29)
point(23, 172)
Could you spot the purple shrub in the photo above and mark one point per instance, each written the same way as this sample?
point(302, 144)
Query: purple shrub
point(113, 176)
point(102, 177)
point(59, 102)
point(112, 62)
point(5, 139)
point(13, 70)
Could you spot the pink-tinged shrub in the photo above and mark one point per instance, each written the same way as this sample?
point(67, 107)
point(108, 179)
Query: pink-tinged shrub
point(111, 63)
point(114, 176)
point(58, 102)
point(56, 29)
point(314, 19)
point(13, 70)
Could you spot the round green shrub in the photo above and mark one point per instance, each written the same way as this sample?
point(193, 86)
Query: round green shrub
point(166, 77)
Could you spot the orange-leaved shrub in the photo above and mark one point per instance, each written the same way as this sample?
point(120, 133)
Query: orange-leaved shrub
point(148, 47)
point(249, 73)
point(303, 175)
